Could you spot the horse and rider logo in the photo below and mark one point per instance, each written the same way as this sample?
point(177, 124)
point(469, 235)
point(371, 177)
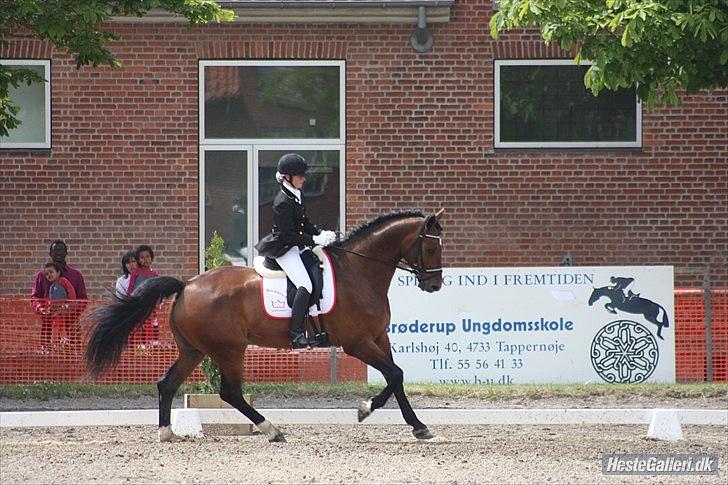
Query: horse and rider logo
point(623, 350)
point(630, 303)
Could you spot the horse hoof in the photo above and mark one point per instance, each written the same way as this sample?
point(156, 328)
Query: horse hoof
point(277, 438)
point(273, 434)
point(167, 436)
point(423, 434)
point(365, 409)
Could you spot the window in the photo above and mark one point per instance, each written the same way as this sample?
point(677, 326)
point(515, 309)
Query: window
point(251, 113)
point(272, 100)
point(543, 103)
point(35, 107)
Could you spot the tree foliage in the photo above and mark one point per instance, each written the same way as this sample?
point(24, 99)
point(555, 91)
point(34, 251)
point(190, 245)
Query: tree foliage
point(77, 27)
point(214, 258)
point(659, 46)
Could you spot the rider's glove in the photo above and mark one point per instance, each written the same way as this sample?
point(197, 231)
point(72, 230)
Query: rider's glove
point(325, 238)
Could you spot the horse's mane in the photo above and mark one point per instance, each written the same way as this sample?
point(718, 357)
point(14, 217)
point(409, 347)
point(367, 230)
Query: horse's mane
point(364, 229)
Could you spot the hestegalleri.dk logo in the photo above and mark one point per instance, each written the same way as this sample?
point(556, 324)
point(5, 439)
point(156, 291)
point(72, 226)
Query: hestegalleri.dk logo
point(660, 464)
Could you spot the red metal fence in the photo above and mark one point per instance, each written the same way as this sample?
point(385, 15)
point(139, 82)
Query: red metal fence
point(30, 354)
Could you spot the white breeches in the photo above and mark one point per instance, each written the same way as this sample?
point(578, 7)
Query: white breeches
point(296, 271)
point(293, 266)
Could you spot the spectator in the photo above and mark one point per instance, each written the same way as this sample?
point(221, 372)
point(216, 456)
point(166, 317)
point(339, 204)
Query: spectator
point(145, 257)
point(58, 251)
point(59, 292)
point(128, 264)
point(60, 288)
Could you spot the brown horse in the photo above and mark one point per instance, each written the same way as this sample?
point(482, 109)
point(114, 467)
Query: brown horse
point(219, 313)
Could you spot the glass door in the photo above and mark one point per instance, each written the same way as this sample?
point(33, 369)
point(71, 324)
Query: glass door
point(226, 202)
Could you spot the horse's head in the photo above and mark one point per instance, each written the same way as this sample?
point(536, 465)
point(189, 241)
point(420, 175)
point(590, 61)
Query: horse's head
point(425, 254)
point(596, 294)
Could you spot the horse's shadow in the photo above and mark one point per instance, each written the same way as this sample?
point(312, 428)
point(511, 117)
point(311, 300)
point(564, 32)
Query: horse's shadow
point(652, 311)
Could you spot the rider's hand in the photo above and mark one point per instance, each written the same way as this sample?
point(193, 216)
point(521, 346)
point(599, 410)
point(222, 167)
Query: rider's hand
point(325, 238)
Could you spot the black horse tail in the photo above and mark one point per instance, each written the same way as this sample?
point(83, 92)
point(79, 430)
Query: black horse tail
point(112, 324)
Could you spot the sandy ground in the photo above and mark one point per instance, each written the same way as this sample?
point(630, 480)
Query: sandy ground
point(343, 454)
point(347, 454)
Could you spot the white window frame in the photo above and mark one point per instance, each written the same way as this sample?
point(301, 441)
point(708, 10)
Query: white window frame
point(254, 145)
point(266, 141)
point(497, 143)
point(47, 129)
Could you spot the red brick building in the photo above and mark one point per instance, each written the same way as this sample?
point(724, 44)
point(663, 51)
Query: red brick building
point(183, 140)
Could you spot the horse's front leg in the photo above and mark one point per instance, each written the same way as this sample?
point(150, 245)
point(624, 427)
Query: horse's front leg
point(371, 354)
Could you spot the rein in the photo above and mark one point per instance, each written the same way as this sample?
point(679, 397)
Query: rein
point(386, 263)
point(416, 270)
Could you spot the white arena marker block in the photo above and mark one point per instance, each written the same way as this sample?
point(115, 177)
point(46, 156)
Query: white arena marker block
point(187, 422)
point(665, 425)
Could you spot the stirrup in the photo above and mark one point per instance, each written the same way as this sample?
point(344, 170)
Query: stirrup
point(300, 342)
point(322, 340)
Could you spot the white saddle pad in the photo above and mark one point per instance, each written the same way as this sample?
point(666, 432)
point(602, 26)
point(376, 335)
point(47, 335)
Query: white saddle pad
point(274, 286)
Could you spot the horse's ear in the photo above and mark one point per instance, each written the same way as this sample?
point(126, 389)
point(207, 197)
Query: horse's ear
point(439, 214)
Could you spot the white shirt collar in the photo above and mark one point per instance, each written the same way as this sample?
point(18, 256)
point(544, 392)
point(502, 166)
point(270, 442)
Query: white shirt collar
point(293, 190)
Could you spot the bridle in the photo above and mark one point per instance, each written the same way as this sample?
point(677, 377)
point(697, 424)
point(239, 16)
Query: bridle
point(421, 273)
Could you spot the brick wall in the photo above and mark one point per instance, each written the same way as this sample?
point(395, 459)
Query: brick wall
point(124, 164)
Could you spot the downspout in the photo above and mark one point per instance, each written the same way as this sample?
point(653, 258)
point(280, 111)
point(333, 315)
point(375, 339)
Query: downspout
point(421, 39)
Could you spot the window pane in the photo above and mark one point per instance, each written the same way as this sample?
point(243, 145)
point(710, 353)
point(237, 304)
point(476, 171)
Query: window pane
point(272, 102)
point(32, 102)
point(549, 103)
point(226, 201)
point(321, 188)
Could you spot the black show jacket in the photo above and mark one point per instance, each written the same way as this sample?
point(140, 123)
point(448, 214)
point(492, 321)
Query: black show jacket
point(291, 227)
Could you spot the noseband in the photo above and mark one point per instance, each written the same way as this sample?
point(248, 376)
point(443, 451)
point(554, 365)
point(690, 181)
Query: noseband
point(421, 273)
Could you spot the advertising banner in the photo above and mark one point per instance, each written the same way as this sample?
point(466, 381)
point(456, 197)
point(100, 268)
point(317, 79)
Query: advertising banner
point(535, 325)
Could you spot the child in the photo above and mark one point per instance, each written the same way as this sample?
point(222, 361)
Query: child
point(60, 287)
point(59, 291)
point(144, 256)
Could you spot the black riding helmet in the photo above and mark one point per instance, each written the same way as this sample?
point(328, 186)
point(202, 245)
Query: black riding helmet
point(292, 164)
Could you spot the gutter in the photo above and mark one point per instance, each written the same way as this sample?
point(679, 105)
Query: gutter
point(319, 11)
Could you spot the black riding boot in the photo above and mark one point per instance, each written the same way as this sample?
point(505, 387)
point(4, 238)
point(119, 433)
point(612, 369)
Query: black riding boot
point(298, 313)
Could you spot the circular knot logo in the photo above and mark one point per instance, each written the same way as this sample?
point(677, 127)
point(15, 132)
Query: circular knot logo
point(624, 351)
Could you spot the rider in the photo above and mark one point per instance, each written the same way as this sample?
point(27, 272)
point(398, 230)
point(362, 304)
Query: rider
point(621, 283)
point(292, 234)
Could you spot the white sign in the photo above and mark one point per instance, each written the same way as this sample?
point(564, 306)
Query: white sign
point(535, 325)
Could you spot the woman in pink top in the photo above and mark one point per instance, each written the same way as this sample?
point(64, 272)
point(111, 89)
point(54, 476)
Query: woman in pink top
point(144, 256)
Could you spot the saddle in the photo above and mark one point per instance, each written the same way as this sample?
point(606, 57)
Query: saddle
point(314, 267)
point(277, 291)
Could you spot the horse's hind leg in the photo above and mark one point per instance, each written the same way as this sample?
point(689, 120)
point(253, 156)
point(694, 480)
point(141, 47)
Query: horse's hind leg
point(231, 370)
point(188, 359)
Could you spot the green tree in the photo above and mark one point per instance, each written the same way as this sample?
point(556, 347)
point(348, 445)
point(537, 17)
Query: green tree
point(659, 46)
point(214, 258)
point(76, 27)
